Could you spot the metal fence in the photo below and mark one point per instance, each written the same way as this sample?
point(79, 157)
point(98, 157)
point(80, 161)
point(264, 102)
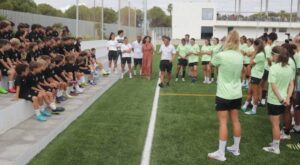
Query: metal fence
point(86, 29)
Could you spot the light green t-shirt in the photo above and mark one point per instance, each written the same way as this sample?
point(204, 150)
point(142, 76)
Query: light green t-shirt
point(216, 49)
point(182, 51)
point(249, 49)
point(281, 76)
point(244, 47)
point(230, 63)
point(257, 70)
point(194, 49)
point(206, 57)
point(268, 51)
point(293, 66)
point(297, 59)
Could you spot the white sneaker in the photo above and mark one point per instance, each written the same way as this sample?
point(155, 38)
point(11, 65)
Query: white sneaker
point(134, 72)
point(116, 71)
point(212, 80)
point(204, 82)
point(284, 136)
point(209, 82)
point(176, 79)
point(217, 156)
point(235, 152)
point(122, 75)
point(183, 79)
point(130, 75)
point(272, 150)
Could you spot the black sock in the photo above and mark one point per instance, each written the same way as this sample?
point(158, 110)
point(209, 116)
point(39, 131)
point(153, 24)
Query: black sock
point(264, 94)
point(183, 73)
point(287, 131)
point(212, 75)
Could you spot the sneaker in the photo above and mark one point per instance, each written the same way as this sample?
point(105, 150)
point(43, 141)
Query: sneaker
point(216, 156)
point(116, 72)
point(212, 80)
point(130, 76)
point(176, 79)
point(183, 79)
point(40, 118)
point(284, 136)
point(168, 84)
point(204, 82)
point(193, 80)
point(209, 82)
point(134, 72)
point(83, 84)
point(46, 113)
point(235, 152)
point(161, 85)
point(12, 90)
point(92, 83)
point(122, 76)
point(68, 96)
point(72, 94)
point(294, 130)
point(250, 113)
point(272, 150)
point(295, 147)
point(243, 109)
point(3, 91)
point(58, 109)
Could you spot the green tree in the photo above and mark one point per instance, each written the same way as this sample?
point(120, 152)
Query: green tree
point(19, 5)
point(84, 12)
point(158, 17)
point(46, 9)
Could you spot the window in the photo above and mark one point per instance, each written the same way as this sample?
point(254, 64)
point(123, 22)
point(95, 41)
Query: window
point(207, 14)
point(206, 32)
point(273, 29)
point(282, 30)
point(266, 30)
point(230, 29)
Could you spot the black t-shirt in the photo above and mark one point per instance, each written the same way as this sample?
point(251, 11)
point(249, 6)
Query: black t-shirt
point(49, 73)
point(6, 35)
point(30, 55)
point(33, 80)
point(22, 82)
point(77, 47)
point(14, 54)
point(47, 50)
point(41, 35)
point(71, 68)
point(69, 48)
point(33, 36)
point(58, 70)
point(4, 55)
point(55, 33)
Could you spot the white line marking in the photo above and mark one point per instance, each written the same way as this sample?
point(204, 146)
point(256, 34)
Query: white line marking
point(150, 133)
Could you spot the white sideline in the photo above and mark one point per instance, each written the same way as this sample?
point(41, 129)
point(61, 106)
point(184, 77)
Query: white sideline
point(148, 142)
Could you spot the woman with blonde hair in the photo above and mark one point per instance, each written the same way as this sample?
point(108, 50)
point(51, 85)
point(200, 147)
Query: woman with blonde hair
point(229, 94)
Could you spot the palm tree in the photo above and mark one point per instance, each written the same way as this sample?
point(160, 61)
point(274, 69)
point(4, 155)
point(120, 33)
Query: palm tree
point(170, 8)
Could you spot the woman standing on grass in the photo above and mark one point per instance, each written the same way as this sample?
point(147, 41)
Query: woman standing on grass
point(257, 63)
point(229, 94)
point(280, 91)
point(147, 57)
point(206, 52)
point(112, 45)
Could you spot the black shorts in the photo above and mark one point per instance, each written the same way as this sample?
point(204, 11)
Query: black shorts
point(246, 65)
point(297, 102)
point(119, 52)
point(126, 60)
point(85, 71)
point(49, 89)
point(112, 55)
point(275, 110)
point(182, 62)
point(138, 61)
point(266, 75)
point(205, 62)
point(4, 71)
point(228, 105)
point(255, 80)
point(166, 65)
point(193, 64)
point(28, 95)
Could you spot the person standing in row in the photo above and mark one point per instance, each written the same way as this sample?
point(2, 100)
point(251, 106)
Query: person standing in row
point(120, 40)
point(126, 50)
point(168, 54)
point(206, 52)
point(112, 45)
point(280, 91)
point(137, 55)
point(182, 50)
point(229, 94)
point(147, 50)
point(193, 57)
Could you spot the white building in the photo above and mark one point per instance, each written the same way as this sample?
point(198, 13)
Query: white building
point(201, 20)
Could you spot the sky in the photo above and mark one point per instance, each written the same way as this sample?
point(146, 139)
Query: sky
point(222, 5)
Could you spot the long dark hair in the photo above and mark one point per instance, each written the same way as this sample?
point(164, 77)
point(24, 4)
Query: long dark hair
point(260, 47)
point(144, 39)
point(283, 55)
point(110, 36)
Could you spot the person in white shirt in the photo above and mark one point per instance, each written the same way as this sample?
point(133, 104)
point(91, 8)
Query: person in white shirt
point(120, 40)
point(137, 54)
point(112, 45)
point(126, 50)
point(168, 54)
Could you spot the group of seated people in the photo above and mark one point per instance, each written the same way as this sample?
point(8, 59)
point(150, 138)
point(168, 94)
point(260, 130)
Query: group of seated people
point(44, 66)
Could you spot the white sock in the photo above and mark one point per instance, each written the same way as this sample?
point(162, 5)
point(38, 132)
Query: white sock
point(82, 79)
point(37, 112)
point(297, 127)
point(59, 93)
point(263, 101)
point(43, 107)
point(222, 145)
point(10, 84)
point(254, 108)
point(52, 106)
point(276, 144)
point(246, 104)
point(77, 87)
point(236, 143)
point(243, 82)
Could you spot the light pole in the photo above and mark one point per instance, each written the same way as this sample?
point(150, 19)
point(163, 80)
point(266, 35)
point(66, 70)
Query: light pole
point(102, 19)
point(119, 17)
point(129, 19)
point(145, 17)
point(77, 17)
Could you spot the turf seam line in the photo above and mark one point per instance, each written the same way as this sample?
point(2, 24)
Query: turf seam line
point(151, 127)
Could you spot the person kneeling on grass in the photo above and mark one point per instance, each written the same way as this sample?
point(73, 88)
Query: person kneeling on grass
point(126, 49)
point(229, 95)
point(23, 92)
point(168, 53)
point(280, 90)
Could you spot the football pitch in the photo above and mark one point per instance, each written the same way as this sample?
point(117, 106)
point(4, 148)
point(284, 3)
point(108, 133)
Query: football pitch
point(113, 130)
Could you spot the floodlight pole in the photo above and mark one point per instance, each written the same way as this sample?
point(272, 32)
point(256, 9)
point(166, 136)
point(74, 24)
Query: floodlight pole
point(77, 17)
point(102, 19)
point(119, 17)
point(145, 17)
